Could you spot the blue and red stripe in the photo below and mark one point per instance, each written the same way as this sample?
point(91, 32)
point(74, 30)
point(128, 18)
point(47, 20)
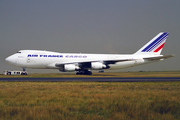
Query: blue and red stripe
point(156, 43)
point(159, 48)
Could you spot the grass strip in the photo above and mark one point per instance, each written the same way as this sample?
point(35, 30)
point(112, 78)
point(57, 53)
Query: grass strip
point(90, 100)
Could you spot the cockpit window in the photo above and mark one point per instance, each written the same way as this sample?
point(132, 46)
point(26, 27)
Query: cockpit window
point(18, 52)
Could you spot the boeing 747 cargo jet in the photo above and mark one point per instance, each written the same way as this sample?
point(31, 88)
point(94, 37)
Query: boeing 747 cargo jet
point(83, 63)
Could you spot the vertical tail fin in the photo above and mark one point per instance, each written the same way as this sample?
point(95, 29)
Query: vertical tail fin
point(155, 45)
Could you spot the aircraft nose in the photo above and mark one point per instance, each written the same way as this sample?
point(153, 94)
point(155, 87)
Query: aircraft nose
point(8, 59)
point(11, 59)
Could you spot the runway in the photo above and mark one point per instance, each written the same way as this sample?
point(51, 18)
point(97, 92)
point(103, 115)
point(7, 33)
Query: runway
point(93, 79)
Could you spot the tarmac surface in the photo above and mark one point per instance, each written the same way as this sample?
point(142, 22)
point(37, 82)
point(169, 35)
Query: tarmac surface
point(94, 79)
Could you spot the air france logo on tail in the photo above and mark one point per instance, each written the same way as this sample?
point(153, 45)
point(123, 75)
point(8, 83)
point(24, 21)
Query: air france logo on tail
point(157, 44)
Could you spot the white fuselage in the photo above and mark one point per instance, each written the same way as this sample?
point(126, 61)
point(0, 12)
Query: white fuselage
point(48, 60)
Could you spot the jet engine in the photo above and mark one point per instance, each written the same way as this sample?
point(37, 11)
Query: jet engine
point(69, 68)
point(98, 66)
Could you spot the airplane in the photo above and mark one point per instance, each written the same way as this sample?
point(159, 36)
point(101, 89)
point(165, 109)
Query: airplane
point(84, 63)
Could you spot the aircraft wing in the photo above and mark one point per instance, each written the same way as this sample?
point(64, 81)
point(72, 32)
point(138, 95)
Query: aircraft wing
point(159, 57)
point(85, 64)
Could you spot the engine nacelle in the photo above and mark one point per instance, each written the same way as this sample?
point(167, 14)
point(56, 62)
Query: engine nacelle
point(98, 66)
point(69, 68)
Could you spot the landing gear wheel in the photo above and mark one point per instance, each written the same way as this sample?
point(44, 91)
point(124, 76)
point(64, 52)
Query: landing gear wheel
point(24, 69)
point(84, 72)
point(77, 73)
point(89, 73)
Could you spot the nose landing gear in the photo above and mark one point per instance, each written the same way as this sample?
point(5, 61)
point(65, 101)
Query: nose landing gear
point(24, 69)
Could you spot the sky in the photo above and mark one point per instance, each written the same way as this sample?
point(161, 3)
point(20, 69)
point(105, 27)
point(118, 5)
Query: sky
point(89, 26)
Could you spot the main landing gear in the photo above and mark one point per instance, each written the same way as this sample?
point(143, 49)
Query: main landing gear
point(84, 72)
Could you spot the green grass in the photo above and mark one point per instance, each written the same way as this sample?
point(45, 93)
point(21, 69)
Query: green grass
point(90, 100)
point(118, 74)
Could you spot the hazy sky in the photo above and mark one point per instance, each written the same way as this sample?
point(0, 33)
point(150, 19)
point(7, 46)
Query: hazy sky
point(89, 26)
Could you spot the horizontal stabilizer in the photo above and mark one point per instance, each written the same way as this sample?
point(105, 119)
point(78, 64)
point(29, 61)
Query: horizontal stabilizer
point(159, 57)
